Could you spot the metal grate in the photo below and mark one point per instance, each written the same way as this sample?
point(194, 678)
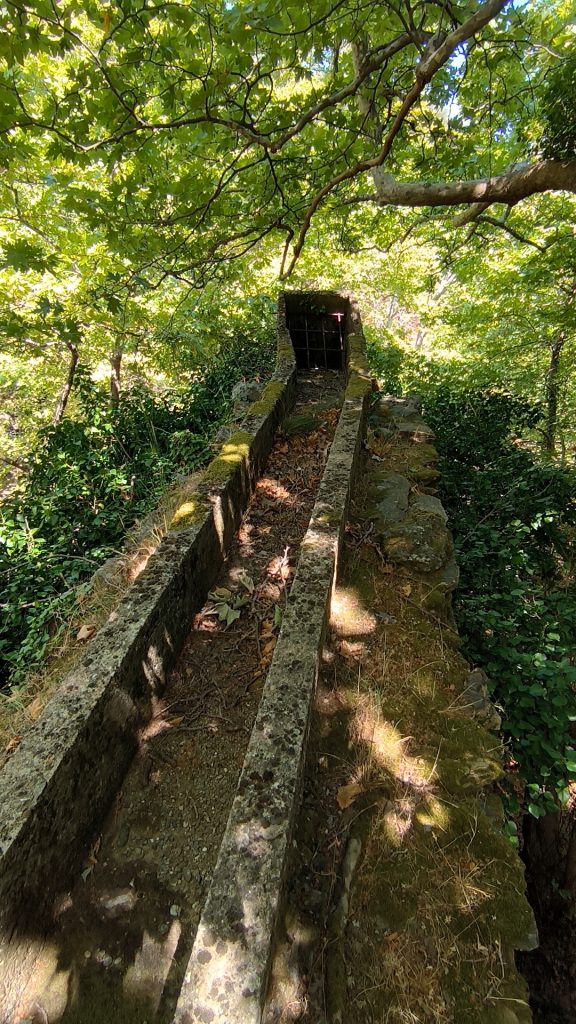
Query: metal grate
point(318, 340)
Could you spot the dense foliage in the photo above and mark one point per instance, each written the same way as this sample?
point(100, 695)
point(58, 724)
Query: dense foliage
point(514, 520)
point(559, 105)
point(92, 476)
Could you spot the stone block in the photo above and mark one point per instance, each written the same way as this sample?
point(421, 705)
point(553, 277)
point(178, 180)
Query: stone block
point(389, 493)
point(420, 540)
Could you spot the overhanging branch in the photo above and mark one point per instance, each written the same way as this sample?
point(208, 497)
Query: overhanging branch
point(509, 188)
point(431, 63)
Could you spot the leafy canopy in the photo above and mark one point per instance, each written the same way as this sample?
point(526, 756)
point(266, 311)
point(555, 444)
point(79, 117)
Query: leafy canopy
point(187, 135)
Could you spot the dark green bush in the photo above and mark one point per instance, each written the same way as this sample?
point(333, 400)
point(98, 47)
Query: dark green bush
point(513, 521)
point(91, 478)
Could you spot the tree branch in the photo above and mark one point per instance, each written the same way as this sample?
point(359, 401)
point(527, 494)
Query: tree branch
point(509, 188)
point(431, 62)
point(512, 231)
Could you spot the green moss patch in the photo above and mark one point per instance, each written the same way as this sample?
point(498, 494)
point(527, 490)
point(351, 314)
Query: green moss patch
point(271, 394)
point(359, 385)
point(235, 451)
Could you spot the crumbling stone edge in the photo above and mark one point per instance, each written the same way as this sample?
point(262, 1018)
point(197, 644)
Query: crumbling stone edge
point(228, 970)
point(58, 785)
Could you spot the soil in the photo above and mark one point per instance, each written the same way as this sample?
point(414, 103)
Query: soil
point(550, 970)
point(123, 936)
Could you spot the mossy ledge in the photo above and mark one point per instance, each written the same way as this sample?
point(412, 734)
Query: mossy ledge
point(232, 454)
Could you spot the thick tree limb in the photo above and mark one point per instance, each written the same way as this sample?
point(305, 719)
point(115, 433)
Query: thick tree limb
point(510, 188)
point(469, 215)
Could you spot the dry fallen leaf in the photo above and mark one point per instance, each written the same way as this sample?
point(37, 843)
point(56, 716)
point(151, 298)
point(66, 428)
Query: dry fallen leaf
point(85, 632)
point(34, 709)
point(347, 794)
point(12, 744)
point(356, 651)
point(406, 590)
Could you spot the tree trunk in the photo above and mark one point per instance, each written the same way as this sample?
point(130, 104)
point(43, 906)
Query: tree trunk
point(552, 394)
point(570, 862)
point(115, 364)
point(67, 388)
point(392, 310)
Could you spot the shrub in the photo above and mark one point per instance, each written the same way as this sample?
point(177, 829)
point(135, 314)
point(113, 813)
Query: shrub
point(91, 478)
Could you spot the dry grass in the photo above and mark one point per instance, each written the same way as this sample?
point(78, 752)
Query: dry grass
point(421, 943)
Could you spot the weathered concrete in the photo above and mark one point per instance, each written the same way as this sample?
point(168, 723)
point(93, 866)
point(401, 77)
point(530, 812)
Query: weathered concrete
point(229, 965)
point(58, 785)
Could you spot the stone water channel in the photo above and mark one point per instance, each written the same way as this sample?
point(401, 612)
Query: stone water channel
point(124, 933)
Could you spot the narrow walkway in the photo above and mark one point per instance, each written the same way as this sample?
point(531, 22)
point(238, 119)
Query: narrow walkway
point(405, 900)
point(125, 932)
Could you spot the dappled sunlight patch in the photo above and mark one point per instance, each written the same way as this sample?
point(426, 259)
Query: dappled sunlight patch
point(274, 490)
point(246, 539)
point(145, 977)
point(387, 748)
point(55, 981)
point(330, 701)
point(184, 515)
point(232, 454)
point(431, 813)
point(396, 821)
point(349, 615)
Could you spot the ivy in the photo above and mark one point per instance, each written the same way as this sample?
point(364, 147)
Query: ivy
point(514, 523)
